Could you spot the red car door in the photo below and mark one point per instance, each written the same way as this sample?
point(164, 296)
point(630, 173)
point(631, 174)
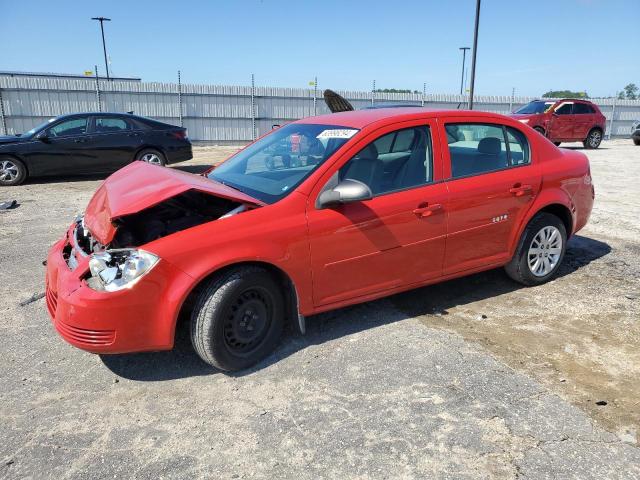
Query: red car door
point(396, 238)
point(491, 186)
point(584, 116)
point(562, 123)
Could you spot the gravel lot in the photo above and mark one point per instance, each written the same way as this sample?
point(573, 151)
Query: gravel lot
point(473, 378)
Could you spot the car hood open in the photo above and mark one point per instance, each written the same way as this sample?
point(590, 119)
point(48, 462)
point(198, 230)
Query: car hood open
point(139, 186)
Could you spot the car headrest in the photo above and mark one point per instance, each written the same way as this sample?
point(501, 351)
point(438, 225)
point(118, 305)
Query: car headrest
point(490, 146)
point(369, 152)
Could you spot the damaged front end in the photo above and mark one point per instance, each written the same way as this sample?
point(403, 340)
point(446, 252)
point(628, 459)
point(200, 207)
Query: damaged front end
point(120, 263)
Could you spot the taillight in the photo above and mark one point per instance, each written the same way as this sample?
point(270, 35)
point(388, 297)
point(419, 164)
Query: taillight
point(180, 134)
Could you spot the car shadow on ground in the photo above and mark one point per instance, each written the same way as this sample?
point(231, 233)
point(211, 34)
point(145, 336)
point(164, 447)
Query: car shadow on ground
point(182, 361)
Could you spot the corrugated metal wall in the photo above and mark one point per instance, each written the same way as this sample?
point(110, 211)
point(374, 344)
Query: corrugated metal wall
point(223, 114)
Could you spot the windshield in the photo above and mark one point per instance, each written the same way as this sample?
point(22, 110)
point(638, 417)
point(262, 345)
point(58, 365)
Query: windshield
point(38, 128)
point(535, 107)
point(277, 163)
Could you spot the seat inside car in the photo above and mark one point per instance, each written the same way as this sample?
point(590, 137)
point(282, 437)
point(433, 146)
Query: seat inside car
point(414, 170)
point(366, 168)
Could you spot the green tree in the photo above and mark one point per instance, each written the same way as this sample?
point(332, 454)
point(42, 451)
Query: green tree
point(631, 91)
point(565, 94)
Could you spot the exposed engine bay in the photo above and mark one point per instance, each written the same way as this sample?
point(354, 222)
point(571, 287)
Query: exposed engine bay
point(181, 212)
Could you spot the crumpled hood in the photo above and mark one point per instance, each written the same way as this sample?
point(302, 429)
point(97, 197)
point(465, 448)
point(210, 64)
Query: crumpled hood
point(10, 139)
point(141, 185)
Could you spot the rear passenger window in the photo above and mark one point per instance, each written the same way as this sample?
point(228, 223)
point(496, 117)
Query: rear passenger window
point(582, 108)
point(107, 125)
point(396, 161)
point(478, 148)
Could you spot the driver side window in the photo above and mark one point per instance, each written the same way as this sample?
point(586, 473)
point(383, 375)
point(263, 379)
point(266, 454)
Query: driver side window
point(76, 126)
point(396, 161)
point(564, 109)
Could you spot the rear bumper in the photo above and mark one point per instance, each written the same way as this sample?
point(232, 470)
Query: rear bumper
point(138, 319)
point(180, 153)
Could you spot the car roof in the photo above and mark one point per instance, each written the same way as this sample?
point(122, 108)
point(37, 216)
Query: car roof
point(98, 114)
point(361, 118)
point(556, 100)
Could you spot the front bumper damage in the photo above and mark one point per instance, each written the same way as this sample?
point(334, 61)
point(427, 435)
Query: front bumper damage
point(141, 318)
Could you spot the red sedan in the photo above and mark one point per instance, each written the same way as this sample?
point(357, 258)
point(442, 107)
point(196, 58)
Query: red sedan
point(321, 213)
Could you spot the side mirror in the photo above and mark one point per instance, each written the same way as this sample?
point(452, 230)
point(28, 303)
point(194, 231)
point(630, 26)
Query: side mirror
point(347, 191)
point(43, 137)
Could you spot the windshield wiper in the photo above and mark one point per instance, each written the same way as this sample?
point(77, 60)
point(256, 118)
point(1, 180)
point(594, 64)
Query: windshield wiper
point(231, 186)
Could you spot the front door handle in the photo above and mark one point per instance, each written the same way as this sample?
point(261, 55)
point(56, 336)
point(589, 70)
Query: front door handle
point(80, 140)
point(426, 210)
point(519, 190)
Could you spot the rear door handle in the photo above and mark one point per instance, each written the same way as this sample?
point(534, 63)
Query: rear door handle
point(519, 190)
point(426, 210)
point(80, 140)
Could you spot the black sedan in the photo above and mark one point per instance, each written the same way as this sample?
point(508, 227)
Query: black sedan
point(90, 143)
point(635, 132)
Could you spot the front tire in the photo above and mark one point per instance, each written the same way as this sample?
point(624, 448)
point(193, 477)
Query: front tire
point(238, 318)
point(12, 172)
point(557, 144)
point(152, 156)
point(540, 250)
point(594, 139)
point(540, 130)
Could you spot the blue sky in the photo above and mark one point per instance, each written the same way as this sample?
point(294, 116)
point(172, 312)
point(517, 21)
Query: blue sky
point(533, 46)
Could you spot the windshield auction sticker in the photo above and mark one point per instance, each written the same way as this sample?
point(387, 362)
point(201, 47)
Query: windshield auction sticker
point(337, 133)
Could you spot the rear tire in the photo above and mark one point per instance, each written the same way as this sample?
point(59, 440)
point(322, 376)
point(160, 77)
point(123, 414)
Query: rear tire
point(557, 144)
point(152, 156)
point(238, 318)
point(540, 251)
point(12, 172)
point(636, 141)
point(594, 138)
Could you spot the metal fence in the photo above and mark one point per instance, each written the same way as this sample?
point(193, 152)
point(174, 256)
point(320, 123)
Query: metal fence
point(227, 114)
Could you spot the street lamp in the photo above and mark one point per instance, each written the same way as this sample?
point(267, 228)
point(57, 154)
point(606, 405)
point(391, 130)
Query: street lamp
point(475, 51)
point(104, 47)
point(464, 57)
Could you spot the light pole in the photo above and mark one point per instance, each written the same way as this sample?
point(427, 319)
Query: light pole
point(475, 52)
point(464, 57)
point(104, 47)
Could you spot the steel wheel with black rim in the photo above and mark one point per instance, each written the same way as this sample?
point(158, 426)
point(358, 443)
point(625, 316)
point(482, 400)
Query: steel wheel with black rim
point(12, 171)
point(594, 138)
point(153, 157)
point(238, 318)
point(540, 251)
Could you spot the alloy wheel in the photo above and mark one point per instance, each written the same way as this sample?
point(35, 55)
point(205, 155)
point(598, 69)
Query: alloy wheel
point(595, 138)
point(8, 171)
point(151, 158)
point(545, 251)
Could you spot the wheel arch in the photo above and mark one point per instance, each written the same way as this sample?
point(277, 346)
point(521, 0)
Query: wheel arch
point(21, 160)
point(562, 212)
point(290, 293)
point(149, 147)
point(555, 202)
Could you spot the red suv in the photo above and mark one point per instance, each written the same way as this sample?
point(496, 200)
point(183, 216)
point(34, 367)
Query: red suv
point(566, 120)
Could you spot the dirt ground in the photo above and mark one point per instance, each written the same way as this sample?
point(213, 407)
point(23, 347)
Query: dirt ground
point(473, 378)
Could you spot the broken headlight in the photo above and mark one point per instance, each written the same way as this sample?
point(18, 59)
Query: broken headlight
point(117, 269)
